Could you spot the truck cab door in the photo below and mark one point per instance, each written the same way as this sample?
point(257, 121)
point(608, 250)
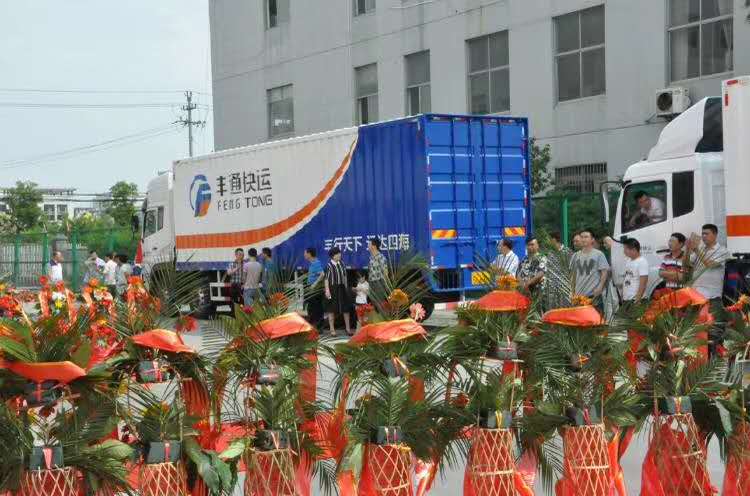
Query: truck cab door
point(644, 213)
point(157, 242)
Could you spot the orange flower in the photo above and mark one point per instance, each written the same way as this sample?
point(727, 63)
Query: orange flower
point(507, 282)
point(135, 280)
point(740, 304)
point(186, 324)
point(580, 301)
point(398, 298)
point(60, 286)
point(93, 282)
point(279, 300)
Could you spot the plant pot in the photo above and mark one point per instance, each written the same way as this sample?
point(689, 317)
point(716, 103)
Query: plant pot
point(163, 452)
point(163, 479)
point(267, 440)
point(268, 376)
point(387, 469)
point(504, 351)
point(491, 465)
point(495, 419)
point(270, 473)
point(54, 482)
point(583, 416)
point(153, 372)
point(675, 405)
point(46, 458)
point(386, 435)
point(394, 367)
point(675, 464)
point(41, 393)
point(586, 461)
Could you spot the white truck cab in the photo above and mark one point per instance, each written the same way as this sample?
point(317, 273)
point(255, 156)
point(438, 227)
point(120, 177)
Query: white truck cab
point(158, 223)
point(698, 173)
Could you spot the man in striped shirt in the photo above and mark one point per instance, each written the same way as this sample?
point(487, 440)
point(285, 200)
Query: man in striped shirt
point(671, 267)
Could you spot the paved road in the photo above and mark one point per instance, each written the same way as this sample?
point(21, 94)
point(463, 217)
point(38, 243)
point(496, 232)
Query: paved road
point(451, 483)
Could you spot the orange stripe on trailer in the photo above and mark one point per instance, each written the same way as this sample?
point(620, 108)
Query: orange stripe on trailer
point(515, 231)
point(252, 236)
point(444, 234)
point(738, 225)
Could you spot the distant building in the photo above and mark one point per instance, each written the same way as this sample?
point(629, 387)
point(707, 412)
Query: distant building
point(59, 204)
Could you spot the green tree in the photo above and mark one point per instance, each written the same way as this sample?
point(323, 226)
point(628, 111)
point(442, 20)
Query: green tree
point(121, 207)
point(23, 205)
point(540, 175)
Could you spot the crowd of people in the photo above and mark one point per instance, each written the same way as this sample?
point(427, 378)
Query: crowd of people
point(114, 270)
point(699, 260)
point(327, 289)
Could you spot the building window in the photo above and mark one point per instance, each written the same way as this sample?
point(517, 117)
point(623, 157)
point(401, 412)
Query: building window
point(584, 178)
point(362, 7)
point(701, 41)
point(49, 212)
point(579, 54)
point(280, 111)
point(417, 83)
point(276, 12)
point(489, 74)
point(62, 212)
point(366, 86)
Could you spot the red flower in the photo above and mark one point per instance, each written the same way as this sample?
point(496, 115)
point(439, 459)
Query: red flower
point(247, 309)
point(187, 324)
point(44, 280)
point(60, 286)
point(721, 351)
point(363, 310)
point(461, 400)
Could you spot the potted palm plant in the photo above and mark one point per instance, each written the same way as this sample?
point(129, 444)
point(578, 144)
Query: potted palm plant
point(682, 389)
point(578, 361)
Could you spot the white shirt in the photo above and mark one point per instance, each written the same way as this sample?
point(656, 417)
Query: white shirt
point(634, 270)
point(363, 289)
point(655, 211)
point(709, 282)
point(123, 272)
point(55, 272)
point(110, 272)
point(507, 263)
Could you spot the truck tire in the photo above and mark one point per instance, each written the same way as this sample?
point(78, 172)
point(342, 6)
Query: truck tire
point(200, 306)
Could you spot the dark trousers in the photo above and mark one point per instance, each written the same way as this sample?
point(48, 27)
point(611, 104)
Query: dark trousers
point(235, 292)
point(314, 305)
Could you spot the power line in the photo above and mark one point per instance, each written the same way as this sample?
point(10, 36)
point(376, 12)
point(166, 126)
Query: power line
point(91, 106)
point(94, 91)
point(96, 147)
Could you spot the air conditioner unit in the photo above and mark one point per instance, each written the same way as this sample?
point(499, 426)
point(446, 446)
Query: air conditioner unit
point(672, 101)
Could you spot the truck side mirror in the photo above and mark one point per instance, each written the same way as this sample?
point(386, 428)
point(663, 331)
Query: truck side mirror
point(604, 189)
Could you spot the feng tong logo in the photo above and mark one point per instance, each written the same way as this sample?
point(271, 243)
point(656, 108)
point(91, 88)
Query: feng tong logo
point(200, 195)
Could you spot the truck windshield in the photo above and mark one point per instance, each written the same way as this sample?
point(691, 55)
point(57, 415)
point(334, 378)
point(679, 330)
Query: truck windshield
point(644, 204)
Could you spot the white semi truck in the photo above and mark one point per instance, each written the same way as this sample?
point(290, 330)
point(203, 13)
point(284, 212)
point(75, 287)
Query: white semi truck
point(700, 171)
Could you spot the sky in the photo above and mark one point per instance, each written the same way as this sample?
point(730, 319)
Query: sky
point(113, 74)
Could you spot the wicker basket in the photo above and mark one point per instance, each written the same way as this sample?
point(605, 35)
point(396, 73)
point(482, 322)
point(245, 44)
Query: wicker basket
point(270, 473)
point(491, 465)
point(163, 479)
point(51, 482)
point(587, 460)
point(679, 456)
point(389, 469)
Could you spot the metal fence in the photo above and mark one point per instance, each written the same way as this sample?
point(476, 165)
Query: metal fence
point(25, 257)
point(568, 213)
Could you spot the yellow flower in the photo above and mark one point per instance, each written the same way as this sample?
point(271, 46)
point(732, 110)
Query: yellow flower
point(398, 298)
point(507, 282)
point(580, 301)
point(58, 304)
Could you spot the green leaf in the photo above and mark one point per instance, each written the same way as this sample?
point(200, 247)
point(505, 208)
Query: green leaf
point(82, 355)
point(236, 449)
point(16, 350)
point(725, 416)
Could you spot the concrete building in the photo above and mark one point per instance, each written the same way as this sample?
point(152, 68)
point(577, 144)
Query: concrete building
point(59, 204)
point(585, 72)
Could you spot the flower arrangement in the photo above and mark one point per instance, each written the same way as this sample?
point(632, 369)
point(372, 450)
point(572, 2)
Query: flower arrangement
point(506, 282)
point(580, 301)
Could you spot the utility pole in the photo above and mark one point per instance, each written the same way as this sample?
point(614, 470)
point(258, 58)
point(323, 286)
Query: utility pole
point(189, 122)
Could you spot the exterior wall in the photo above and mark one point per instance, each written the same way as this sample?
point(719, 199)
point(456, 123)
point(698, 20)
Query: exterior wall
point(320, 46)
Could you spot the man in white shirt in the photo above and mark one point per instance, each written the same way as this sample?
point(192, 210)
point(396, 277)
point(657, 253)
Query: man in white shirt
point(706, 264)
point(110, 272)
point(506, 261)
point(55, 270)
point(635, 275)
point(648, 206)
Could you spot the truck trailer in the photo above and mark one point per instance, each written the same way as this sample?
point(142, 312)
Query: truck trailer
point(446, 186)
